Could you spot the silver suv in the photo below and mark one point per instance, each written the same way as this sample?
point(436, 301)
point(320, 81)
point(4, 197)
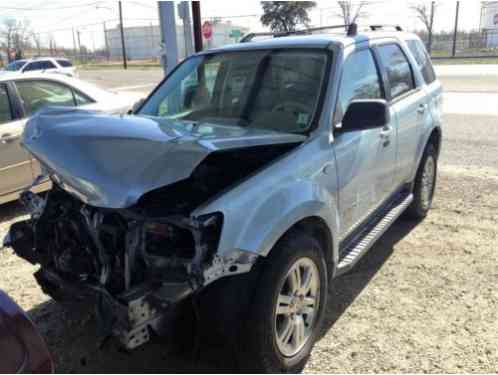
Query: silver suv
point(249, 179)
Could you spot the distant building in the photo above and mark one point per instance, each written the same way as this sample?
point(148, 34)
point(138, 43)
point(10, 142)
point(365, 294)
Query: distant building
point(144, 42)
point(489, 23)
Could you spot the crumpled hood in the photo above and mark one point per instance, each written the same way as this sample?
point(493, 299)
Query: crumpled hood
point(111, 161)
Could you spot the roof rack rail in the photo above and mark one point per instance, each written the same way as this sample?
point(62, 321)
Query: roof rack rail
point(380, 27)
point(352, 30)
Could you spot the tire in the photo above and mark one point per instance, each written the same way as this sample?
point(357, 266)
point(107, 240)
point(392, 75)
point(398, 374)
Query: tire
point(258, 347)
point(424, 185)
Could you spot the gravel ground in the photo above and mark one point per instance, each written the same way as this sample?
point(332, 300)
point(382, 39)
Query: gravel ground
point(424, 299)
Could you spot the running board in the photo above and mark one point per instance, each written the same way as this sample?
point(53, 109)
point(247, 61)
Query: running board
point(357, 248)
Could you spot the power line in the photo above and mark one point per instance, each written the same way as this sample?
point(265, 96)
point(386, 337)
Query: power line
point(50, 9)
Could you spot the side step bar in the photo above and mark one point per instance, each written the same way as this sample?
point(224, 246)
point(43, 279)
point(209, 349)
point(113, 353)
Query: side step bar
point(353, 251)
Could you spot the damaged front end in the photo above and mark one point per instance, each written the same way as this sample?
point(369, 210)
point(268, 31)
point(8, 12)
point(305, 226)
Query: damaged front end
point(131, 266)
point(118, 228)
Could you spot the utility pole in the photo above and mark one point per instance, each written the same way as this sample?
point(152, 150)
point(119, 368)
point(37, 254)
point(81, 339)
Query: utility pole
point(184, 13)
point(169, 43)
point(123, 46)
point(74, 45)
point(196, 17)
point(433, 6)
point(79, 44)
point(107, 53)
point(455, 34)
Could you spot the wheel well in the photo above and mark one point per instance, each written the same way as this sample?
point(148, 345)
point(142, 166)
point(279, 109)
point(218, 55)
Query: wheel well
point(435, 139)
point(318, 229)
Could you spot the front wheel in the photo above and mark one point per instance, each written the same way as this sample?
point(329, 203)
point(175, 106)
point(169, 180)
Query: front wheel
point(287, 311)
point(425, 184)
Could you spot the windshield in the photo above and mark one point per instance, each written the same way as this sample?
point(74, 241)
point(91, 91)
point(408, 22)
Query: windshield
point(15, 65)
point(269, 89)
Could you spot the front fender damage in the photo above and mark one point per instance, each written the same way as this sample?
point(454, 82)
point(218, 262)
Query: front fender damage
point(133, 284)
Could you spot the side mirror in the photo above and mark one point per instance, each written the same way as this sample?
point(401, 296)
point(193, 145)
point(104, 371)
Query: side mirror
point(136, 106)
point(366, 114)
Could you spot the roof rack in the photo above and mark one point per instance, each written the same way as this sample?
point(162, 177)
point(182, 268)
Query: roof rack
point(381, 27)
point(352, 30)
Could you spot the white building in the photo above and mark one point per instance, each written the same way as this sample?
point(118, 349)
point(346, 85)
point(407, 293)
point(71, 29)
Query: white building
point(489, 22)
point(144, 42)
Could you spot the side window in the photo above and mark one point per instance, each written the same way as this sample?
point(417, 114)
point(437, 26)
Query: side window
point(46, 64)
point(360, 80)
point(64, 63)
point(38, 94)
point(32, 66)
point(423, 61)
point(5, 111)
point(81, 99)
point(399, 72)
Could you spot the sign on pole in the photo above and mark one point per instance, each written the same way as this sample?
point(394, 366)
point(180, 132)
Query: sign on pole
point(235, 34)
point(207, 30)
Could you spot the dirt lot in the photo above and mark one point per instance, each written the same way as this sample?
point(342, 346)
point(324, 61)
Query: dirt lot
point(424, 299)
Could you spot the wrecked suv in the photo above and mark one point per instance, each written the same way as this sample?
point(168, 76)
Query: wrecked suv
point(249, 178)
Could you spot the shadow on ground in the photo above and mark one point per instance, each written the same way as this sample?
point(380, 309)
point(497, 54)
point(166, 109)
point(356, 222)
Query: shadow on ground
point(10, 211)
point(75, 343)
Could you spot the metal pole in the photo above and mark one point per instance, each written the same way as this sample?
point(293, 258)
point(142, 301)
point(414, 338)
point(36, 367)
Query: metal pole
point(169, 43)
point(184, 13)
point(196, 16)
point(429, 47)
point(74, 45)
point(123, 46)
point(106, 43)
point(455, 33)
point(79, 43)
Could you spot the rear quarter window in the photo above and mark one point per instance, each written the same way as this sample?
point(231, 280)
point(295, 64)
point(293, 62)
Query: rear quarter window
point(423, 61)
point(64, 63)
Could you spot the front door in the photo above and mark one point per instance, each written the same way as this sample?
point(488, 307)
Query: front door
point(366, 159)
point(15, 166)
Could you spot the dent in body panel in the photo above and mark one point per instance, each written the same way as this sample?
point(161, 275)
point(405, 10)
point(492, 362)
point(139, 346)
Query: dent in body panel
point(291, 189)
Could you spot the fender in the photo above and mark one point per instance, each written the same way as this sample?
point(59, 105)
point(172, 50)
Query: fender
point(422, 145)
point(260, 210)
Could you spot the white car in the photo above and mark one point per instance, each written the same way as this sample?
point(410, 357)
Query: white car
point(44, 64)
point(21, 95)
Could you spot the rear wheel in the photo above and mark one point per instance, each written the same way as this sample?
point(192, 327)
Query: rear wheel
point(285, 316)
point(425, 184)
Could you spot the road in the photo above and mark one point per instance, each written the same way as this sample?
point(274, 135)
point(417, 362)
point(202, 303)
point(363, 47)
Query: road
point(424, 299)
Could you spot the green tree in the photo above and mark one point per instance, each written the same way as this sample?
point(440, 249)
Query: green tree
point(284, 16)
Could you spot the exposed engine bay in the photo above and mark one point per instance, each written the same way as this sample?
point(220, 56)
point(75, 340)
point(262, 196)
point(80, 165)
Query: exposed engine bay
point(135, 263)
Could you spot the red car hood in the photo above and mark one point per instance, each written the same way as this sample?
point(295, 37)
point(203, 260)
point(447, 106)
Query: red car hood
point(21, 346)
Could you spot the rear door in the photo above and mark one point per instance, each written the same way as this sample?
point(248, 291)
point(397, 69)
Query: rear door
point(36, 94)
point(39, 93)
point(15, 166)
point(432, 86)
point(409, 103)
point(366, 159)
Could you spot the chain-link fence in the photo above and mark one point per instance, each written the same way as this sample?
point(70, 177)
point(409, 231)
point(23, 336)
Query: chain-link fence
point(101, 42)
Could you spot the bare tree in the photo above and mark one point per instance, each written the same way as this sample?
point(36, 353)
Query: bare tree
point(16, 35)
point(351, 13)
point(425, 12)
point(7, 32)
point(36, 38)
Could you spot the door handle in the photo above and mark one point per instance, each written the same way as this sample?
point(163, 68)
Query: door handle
point(7, 138)
point(421, 108)
point(385, 133)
